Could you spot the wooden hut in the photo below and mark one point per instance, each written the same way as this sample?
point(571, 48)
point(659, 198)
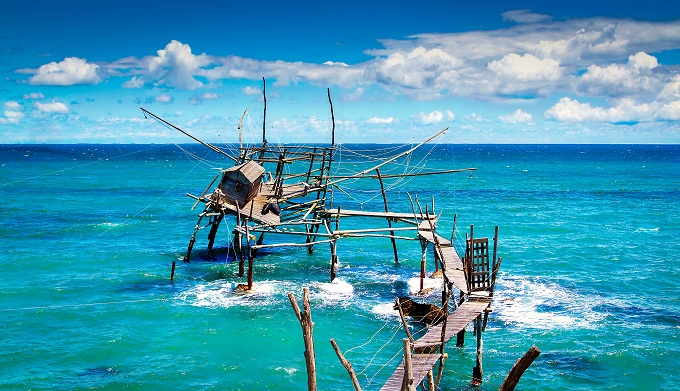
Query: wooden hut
point(240, 184)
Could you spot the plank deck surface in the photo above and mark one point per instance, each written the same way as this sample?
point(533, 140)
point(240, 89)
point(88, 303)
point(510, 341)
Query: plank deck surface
point(422, 363)
point(453, 265)
point(456, 322)
point(254, 209)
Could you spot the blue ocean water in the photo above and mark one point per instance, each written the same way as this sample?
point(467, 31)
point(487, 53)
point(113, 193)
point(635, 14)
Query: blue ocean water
point(588, 235)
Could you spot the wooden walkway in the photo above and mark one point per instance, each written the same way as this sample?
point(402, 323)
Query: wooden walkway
point(423, 363)
point(453, 265)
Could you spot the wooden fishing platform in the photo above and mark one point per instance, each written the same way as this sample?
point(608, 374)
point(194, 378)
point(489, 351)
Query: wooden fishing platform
point(283, 189)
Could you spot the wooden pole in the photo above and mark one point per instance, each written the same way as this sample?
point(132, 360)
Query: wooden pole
point(172, 272)
point(445, 308)
point(393, 158)
point(460, 338)
point(332, 118)
point(430, 381)
point(518, 369)
point(423, 246)
point(305, 318)
point(250, 271)
point(347, 365)
point(264, 116)
point(477, 371)
point(240, 138)
point(495, 249)
point(470, 261)
point(213, 231)
point(403, 320)
point(389, 222)
point(407, 384)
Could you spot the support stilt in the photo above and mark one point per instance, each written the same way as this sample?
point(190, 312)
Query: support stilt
point(214, 225)
point(460, 337)
point(423, 245)
point(477, 371)
point(389, 222)
point(407, 384)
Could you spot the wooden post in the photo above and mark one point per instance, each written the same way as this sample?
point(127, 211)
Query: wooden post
point(172, 272)
point(250, 272)
point(264, 115)
point(477, 371)
point(389, 222)
point(403, 321)
point(238, 239)
point(305, 318)
point(430, 381)
point(445, 308)
point(518, 369)
point(460, 338)
point(407, 384)
point(423, 245)
point(332, 118)
point(214, 225)
point(470, 258)
point(495, 249)
point(347, 365)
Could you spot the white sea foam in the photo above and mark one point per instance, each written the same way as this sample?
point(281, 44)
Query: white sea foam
point(543, 305)
point(647, 229)
point(338, 292)
point(225, 294)
point(429, 284)
point(289, 371)
point(384, 310)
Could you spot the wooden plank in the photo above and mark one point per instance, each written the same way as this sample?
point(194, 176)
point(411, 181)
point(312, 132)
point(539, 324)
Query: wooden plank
point(256, 206)
point(421, 365)
point(456, 322)
point(384, 215)
point(453, 265)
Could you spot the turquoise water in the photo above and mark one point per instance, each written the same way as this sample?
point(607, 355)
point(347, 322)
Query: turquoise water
point(588, 235)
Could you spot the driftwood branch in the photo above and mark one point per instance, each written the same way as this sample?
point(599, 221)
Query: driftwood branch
point(347, 365)
point(305, 318)
point(518, 369)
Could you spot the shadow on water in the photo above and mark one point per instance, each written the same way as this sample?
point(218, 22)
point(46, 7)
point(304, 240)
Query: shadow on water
point(634, 314)
point(100, 371)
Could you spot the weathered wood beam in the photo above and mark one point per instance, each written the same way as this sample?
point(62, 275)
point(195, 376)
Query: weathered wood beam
point(518, 369)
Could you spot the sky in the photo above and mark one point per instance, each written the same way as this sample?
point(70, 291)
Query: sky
point(397, 71)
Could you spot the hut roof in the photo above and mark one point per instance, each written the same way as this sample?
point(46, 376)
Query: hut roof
point(250, 170)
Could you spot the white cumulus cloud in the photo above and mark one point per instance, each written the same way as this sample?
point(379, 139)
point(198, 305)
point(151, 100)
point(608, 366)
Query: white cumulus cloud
point(571, 110)
point(135, 82)
point(380, 121)
point(34, 95)
point(628, 79)
point(518, 117)
point(70, 71)
point(51, 108)
point(164, 98)
point(13, 113)
point(434, 117)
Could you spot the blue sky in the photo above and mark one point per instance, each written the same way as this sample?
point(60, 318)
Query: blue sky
point(493, 72)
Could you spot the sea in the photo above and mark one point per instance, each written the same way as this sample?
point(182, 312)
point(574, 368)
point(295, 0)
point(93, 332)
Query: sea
point(589, 237)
